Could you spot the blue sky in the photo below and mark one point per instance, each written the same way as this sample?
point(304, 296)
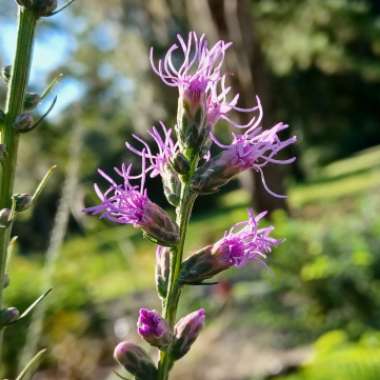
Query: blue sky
point(51, 50)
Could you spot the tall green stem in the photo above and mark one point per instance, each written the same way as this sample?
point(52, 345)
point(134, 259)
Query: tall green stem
point(184, 211)
point(9, 137)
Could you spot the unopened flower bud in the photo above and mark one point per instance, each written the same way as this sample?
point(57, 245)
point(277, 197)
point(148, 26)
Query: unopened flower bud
point(23, 201)
point(8, 316)
point(135, 360)
point(172, 185)
point(5, 217)
point(6, 73)
point(187, 330)
point(24, 123)
point(154, 329)
point(162, 270)
point(31, 101)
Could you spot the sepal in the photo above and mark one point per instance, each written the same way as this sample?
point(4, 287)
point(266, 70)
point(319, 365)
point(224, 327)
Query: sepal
point(158, 226)
point(172, 185)
point(201, 266)
point(180, 164)
point(214, 174)
point(192, 130)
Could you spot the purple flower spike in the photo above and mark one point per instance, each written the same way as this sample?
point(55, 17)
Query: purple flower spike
point(153, 328)
point(167, 149)
point(199, 69)
point(187, 330)
point(244, 242)
point(129, 204)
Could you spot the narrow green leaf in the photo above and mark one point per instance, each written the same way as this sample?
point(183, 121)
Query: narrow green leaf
point(32, 365)
point(43, 183)
point(33, 305)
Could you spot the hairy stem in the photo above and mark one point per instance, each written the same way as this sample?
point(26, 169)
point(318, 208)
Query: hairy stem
point(184, 211)
point(9, 137)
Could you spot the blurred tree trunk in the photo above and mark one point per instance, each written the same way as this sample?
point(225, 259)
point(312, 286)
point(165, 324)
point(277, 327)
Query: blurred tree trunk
point(232, 20)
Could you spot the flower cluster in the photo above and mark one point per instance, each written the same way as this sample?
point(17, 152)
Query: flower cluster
point(126, 203)
point(200, 69)
point(183, 157)
point(243, 243)
point(253, 149)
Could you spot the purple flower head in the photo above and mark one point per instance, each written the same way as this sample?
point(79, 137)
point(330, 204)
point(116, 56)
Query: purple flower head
point(252, 150)
point(167, 150)
point(122, 203)
point(200, 66)
point(187, 330)
point(218, 107)
point(153, 328)
point(126, 203)
point(244, 242)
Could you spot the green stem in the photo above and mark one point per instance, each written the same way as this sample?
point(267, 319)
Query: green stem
point(184, 211)
point(9, 137)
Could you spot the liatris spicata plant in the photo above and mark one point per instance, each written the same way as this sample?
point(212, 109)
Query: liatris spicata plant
point(15, 120)
point(184, 159)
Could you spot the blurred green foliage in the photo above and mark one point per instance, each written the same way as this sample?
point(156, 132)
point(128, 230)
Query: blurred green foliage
point(336, 357)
